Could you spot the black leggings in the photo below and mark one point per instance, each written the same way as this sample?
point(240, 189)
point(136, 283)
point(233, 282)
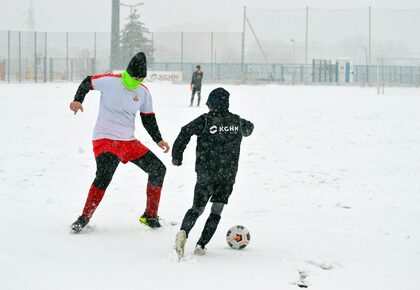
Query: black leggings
point(107, 163)
point(198, 90)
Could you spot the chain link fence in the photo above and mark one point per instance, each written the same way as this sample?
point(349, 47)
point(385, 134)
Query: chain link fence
point(284, 46)
point(50, 56)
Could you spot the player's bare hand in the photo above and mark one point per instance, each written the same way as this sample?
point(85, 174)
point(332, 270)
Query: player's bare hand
point(164, 145)
point(76, 106)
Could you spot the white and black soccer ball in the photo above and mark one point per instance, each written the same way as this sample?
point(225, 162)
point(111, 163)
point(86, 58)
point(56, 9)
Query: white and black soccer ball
point(238, 237)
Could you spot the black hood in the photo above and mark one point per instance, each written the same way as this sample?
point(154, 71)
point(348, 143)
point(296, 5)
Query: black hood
point(218, 99)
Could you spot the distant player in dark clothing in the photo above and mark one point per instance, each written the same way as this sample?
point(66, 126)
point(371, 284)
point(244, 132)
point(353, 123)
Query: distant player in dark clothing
point(219, 136)
point(197, 78)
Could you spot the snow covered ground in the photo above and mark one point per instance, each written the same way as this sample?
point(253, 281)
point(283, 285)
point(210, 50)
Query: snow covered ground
point(328, 185)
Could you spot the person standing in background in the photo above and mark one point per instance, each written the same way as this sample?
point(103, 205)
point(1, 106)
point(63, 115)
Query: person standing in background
point(196, 81)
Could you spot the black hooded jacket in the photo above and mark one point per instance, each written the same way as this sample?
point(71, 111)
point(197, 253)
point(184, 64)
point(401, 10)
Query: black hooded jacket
point(219, 137)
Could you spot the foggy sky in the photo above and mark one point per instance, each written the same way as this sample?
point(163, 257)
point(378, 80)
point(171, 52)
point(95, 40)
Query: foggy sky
point(175, 15)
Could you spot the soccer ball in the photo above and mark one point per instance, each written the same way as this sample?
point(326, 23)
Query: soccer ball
point(238, 237)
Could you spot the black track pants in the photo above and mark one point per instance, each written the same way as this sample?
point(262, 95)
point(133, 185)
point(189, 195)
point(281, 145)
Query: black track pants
point(198, 91)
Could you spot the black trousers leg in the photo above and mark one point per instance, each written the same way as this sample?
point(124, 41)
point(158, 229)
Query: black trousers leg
point(156, 171)
point(211, 224)
point(209, 229)
point(106, 164)
point(199, 97)
point(189, 220)
point(202, 194)
point(152, 165)
point(192, 96)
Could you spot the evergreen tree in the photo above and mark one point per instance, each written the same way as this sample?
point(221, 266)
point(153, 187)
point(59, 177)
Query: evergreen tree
point(135, 38)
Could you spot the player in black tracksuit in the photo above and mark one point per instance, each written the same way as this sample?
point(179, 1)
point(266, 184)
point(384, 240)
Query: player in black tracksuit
point(196, 81)
point(219, 135)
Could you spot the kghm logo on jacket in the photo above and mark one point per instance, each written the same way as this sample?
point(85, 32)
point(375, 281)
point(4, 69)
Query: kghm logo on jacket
point(223, 129)
point(136, 98)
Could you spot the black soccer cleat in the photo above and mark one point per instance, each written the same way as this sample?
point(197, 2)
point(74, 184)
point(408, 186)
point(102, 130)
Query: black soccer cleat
point(79, 224)
point(149, 221)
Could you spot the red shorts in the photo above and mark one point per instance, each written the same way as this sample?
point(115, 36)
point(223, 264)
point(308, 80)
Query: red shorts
point(125, 150)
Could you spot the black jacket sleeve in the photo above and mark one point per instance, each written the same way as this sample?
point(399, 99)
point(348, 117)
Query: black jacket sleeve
point(247, 127)
point(83, 89)
point(195, 127)
point(193, 78)
point(151, 126)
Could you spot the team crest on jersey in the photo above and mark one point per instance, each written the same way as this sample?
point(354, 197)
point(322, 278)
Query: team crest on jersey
point(136, 98)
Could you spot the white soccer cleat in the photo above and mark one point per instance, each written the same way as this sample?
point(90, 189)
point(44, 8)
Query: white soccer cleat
point(180, 240)
point(199, 251)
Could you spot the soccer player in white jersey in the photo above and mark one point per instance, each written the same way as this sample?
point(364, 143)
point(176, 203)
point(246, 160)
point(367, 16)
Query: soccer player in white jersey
point(122, 96)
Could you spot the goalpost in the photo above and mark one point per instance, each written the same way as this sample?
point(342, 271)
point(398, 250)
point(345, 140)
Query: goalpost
point(397, 72)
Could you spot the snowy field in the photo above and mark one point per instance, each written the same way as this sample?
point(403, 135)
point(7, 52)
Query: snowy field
point(328, 185)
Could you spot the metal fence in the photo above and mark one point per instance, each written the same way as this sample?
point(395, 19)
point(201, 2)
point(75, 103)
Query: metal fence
point(48, 56)
point(362, 35)
point(283, 46)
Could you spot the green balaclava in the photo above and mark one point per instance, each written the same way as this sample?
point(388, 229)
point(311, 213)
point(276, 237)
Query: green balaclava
point(137, 68)
point(129, 82)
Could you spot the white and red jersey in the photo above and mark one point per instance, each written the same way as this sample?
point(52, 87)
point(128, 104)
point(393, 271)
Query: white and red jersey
point(118, 107)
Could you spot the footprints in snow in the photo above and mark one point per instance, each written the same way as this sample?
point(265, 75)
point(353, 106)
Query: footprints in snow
point(343, 206)
point(323, 265)
point(302, 281)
